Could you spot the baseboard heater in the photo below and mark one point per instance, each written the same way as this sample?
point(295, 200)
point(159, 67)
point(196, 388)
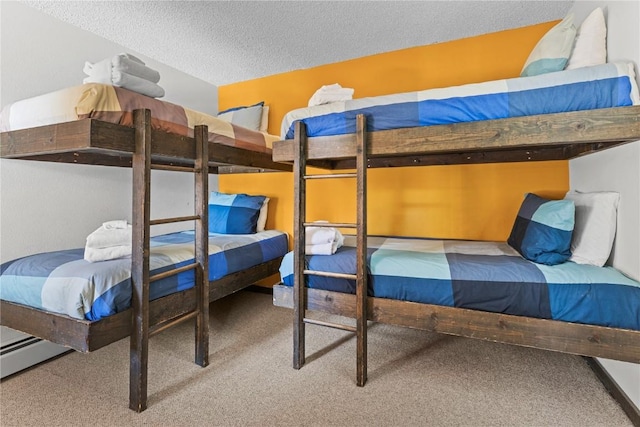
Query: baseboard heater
point(24, 353)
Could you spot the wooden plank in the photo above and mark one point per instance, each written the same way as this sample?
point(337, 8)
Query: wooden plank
point(139, 342)
point(564, 337)
point(361, 262)
point(201, 195)
point(95, 142)
point(299, 237)
point(612, 125)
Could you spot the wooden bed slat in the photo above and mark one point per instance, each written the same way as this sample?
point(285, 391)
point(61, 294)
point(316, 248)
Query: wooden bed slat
point(95, 142)
point(86, 336)
point(483, 141)
point(574, 338)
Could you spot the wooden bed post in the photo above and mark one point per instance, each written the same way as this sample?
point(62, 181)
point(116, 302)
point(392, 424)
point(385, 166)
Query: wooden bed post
point(139, 343)
point(361, 265)
point(299, 236)
point(201, 189)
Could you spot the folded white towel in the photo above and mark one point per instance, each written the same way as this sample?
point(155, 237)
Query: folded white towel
point(322, 240)
point(331, 93)
point(105, 254)
point(115, 224)
point(108, 235)
point(130, 82)
point(123, 62)
point(127, 71)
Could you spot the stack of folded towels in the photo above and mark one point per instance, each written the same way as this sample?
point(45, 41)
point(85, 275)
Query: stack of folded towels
point(331, 93)
point(127, 71)
point(322, 240)
point(111, 240)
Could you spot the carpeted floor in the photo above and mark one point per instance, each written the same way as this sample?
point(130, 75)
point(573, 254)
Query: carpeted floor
point(415, 378)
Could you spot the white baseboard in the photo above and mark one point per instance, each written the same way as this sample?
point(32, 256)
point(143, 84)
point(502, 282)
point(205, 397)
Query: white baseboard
point(22, 352)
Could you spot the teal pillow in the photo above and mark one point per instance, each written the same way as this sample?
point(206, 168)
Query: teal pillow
point(553, 50)
point(234, 213)
point(543, 229)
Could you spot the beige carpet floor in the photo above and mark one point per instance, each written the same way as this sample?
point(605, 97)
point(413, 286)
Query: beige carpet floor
point(415, 379)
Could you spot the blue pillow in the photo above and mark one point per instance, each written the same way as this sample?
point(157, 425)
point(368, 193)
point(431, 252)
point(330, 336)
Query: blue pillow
point(542, 230)
point(234, 213)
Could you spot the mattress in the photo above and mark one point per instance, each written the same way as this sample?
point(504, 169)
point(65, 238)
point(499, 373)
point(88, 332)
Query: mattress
point(601, 86)
point(63, 282)
point(116, 105)
point(486, 276)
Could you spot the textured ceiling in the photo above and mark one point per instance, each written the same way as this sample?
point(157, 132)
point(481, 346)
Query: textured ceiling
point(224, 42)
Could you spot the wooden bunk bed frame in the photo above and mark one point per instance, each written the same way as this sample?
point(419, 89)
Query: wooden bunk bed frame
point(542, 137)
point(94, 142)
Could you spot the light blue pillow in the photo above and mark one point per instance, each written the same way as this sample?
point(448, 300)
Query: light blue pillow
point(542, 230)
point(553, 50)
point(249, 117)
point(234, 213)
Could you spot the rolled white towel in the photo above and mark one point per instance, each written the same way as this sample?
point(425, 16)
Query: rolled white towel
point(110, 234)
point(330, 93)
point(322, 240)
point(105, 254)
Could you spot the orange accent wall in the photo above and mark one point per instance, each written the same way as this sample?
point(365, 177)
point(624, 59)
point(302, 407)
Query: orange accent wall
point(467, 201)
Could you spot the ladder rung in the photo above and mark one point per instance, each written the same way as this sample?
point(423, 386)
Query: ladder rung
point(175, 168)
point(331, 175)
point(331, 224)
point(171, 322)
point(172, 272)
point(330, 324)
point(172, 220)
point(331, 274)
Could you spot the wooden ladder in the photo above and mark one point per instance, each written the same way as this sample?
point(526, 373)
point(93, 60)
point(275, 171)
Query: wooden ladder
point(299, 289)
point(140, 269)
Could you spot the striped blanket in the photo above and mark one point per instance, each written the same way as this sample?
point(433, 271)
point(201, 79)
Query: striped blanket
point(487, 276)
point(63, 282)
point(601, 86)
point(116, 105)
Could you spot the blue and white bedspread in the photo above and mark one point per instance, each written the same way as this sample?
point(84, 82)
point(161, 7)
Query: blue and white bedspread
point(487, 276)
point(600, 86)
point(63, 282)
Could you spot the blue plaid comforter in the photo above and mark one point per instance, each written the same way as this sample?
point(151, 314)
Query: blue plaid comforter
point(587, 88)
point(487, 276)
point(63, 282)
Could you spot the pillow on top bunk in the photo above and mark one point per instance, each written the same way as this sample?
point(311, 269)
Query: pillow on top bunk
point(595, 226)
point(249, 117)
point(590, 47)
point(552, 52)
point(542, 230)
point(234, 213)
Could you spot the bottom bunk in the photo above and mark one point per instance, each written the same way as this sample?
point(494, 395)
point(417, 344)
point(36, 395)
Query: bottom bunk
point(482, 290)
point(35, 290)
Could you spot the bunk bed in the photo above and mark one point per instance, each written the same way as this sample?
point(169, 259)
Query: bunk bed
point(361, 134)
point(106, 125)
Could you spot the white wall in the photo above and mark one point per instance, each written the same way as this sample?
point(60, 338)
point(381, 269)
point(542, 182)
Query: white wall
point(617, 169)
point(49, 206)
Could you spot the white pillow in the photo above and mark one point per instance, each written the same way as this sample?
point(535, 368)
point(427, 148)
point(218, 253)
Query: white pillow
point(553, 50)
point(262, 217)
point(595, 226)
point(590, 47)
point(264, 121)
point(249, 117)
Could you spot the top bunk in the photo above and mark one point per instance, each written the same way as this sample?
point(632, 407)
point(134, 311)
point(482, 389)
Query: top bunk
point(93, 124)
point(554, 116)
